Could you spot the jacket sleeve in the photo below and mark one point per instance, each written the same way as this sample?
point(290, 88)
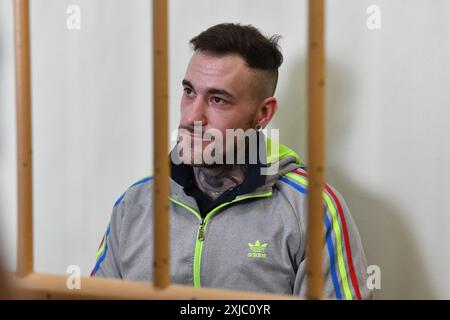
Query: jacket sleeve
point(107, 263)
point(344, 261)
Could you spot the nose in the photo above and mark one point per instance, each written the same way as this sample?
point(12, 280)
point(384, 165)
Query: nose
point(196, 112)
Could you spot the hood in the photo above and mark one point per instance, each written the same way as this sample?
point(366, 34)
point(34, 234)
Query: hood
point(276, 152)
point(279, 160)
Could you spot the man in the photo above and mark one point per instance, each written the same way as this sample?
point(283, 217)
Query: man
point(238, 225)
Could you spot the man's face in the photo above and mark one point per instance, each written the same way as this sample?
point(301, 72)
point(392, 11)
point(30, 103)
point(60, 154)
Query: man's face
point(219, 91)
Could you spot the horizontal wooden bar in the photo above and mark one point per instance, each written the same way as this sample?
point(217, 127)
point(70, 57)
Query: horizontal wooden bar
point(47, 286)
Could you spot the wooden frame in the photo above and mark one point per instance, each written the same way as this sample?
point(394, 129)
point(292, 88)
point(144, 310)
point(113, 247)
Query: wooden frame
point(316, 150)
point(27, 284)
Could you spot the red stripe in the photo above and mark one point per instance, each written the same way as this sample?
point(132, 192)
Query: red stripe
point(103, 239)
point(346, 239)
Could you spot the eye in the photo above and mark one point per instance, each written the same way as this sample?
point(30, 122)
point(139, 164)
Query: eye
point(188, 91)
point(217, 100)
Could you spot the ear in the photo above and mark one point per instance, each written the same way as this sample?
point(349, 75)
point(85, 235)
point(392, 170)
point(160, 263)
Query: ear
point(266, 111)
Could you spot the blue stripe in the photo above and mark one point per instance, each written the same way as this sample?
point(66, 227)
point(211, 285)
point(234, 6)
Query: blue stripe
point(142, 181)
point(329, 240)
point(119, 200)
point(102, 257)
point(332, 261)
point(134, 184)
point(293, 184)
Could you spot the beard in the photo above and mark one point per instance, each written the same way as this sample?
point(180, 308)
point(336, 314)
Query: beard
point(199, 151)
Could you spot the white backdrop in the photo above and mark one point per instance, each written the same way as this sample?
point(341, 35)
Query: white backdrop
point(387, 107)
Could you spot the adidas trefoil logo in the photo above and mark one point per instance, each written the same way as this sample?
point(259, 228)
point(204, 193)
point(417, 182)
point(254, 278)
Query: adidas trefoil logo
point(257, 249)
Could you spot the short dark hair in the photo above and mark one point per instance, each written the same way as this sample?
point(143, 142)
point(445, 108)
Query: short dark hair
point(258, 51)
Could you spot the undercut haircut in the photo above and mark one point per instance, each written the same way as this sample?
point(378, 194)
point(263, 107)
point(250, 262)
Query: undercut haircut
point(258, 51)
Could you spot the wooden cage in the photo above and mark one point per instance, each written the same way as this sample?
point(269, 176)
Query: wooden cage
point(25, 283)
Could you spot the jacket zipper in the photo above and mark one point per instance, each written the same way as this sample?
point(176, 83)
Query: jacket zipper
point(202, 228)
point(201, 231)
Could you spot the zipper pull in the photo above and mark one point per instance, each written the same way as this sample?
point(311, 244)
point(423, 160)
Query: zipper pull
point(201, 231)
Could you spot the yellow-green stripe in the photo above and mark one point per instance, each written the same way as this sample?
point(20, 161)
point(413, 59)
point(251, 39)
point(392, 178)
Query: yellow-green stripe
point(337, 232)
point(102, 248)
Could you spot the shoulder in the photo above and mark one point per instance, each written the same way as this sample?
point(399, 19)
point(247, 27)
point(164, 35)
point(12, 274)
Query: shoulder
point(294, 186)
point(136, 193)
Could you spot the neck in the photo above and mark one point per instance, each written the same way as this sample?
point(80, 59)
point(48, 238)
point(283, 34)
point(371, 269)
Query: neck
point(214, 180)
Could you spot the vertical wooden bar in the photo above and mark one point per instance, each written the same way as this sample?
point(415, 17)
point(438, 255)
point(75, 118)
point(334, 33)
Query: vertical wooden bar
point(316, 150)
point(161, 273)
point(24, 148)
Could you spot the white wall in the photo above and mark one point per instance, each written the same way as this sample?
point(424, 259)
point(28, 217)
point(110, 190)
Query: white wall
point(387, 104)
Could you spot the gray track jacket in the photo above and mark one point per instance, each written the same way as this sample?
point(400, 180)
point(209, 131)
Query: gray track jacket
point(255, 242)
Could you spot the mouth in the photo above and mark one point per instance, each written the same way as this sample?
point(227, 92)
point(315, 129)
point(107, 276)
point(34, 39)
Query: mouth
point(194, 137)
